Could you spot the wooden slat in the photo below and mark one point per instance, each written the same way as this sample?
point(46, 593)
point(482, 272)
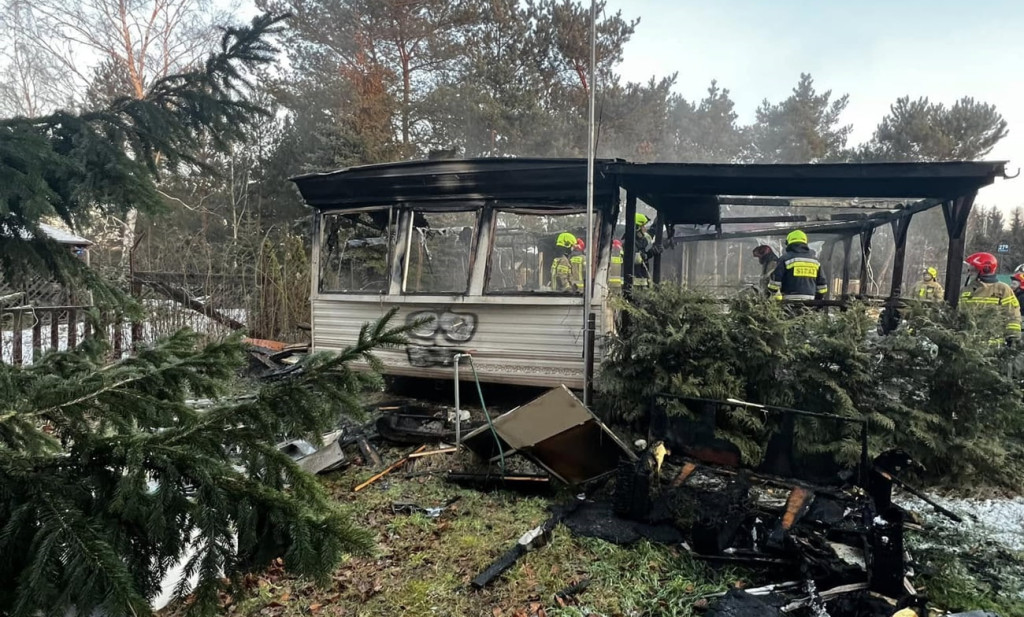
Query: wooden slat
point(136, 335)
point(55, 329)
point(37, 339)
point(72, 328)
point(17, 340)
point(118, 339)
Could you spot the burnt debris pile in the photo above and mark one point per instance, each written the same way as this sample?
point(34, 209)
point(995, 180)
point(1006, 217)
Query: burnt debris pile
point(818, 538)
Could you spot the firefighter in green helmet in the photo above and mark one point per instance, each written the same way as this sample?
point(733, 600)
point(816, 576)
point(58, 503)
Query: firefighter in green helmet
point(643, 249)
point(561, 268)
point(798, 274)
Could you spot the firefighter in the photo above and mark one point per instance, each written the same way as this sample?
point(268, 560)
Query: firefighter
point(766, 256)
point(1017, 284)
point(577, 262)
point(615, 267)
point(929, 288)
point(985, 289)
point(642, 250)
point(798, 274)
point(561, 269)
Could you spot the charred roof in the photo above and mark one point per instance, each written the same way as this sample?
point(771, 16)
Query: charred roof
point(556, 182)
point(682, 192)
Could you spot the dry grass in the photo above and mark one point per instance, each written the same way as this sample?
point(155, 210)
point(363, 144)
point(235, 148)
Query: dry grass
point(422, 566)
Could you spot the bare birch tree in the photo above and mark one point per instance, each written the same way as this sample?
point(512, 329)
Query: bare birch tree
point(126, 44)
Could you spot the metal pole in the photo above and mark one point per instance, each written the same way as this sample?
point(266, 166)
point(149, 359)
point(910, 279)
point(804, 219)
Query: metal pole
point(458, 410)
point(589, 248)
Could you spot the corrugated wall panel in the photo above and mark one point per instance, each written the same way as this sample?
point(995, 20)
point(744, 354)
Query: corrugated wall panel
point(528, 344)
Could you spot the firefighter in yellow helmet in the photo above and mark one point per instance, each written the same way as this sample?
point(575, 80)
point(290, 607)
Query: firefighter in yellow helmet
point(798, 274)
point(561, 268)
point(642, 251)
point(984, 289)
point(928, 288)
point(577, 261)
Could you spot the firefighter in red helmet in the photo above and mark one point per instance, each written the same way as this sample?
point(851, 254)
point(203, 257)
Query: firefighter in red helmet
point(615, 267)
point(1017, 284)
point(984, 289)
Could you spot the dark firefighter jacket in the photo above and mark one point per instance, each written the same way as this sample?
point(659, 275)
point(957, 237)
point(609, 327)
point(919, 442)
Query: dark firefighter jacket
point(798, 275)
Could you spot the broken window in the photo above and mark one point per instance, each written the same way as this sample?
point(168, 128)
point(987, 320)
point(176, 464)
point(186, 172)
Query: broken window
point(355, 251)
point(440, 252)
point(524, 248)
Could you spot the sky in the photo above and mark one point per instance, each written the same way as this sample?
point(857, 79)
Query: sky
point(873, 50)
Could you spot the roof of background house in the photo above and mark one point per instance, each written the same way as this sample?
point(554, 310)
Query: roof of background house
point(63, 236)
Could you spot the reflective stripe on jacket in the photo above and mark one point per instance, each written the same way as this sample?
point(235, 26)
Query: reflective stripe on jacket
point(576, 265)
point(561, 271)
point(990, 292)
point(798, 275)
point(615, 272)
point(928, 290)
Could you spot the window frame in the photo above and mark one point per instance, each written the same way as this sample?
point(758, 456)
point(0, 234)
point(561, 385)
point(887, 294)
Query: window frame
point(394, 220)
point(410, 212)
point(498, 209)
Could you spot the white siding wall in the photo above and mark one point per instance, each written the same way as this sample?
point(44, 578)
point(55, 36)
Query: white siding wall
point(534, 341)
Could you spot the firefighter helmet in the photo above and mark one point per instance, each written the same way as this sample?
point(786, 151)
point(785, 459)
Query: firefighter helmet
point(796, 237)
point(932, 273)
point(984, 263)
point(565, 240)
point(580, 245)
point(617, 244)
point(1017, 280)
point(641, 219)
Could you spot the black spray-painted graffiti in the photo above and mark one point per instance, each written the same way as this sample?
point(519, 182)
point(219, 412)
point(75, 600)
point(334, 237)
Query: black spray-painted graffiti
point(439, 337)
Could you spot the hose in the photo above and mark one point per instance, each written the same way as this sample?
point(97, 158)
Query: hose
point(490, 423)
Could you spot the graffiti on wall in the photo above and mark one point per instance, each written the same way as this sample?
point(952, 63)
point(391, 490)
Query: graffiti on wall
point(440, 335)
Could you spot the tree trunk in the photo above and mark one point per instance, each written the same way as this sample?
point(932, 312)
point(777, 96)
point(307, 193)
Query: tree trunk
point(406, 100)
point(128, 243)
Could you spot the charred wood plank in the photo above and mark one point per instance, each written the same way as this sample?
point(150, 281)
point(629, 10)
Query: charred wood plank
point(535, 538)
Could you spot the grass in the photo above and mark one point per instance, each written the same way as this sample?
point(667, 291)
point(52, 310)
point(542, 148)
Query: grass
point(960, 573)
point(422, 566)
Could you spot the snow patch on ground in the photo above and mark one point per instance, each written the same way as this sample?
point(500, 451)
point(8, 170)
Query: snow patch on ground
point(996, 520)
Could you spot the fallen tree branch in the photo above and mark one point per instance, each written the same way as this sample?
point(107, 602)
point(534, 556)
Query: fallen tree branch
point(185, 299)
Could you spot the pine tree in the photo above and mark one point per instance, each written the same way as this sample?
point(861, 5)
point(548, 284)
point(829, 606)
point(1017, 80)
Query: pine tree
point(74, 166)
point(108, 477)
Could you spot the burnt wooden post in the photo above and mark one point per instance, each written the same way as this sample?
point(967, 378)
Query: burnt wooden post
point(899, 234)
point(847, 245)
point(956, 213)
point(17, 340)
point(827, 255)
point(865, 257)
point(659, 235)
point(691, 264)
point(629, 245)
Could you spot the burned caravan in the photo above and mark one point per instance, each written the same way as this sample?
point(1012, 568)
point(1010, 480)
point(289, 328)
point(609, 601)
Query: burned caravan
point(467, 245)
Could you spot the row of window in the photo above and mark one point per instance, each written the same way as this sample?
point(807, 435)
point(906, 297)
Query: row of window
point(356, 251)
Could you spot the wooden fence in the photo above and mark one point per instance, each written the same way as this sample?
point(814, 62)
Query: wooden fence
point(28, 333)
